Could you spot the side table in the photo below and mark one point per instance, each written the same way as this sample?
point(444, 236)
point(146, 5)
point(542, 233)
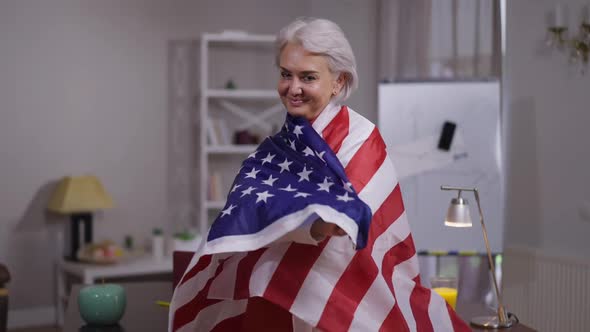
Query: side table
point(90, 273)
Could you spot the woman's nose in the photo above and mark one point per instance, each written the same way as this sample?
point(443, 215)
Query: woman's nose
point(295, 87)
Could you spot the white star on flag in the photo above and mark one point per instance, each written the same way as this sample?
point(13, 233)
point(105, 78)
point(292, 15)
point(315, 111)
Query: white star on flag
point(227, 211)
point(297, 131)
point(270, 180)
point(235, 187)
point(308, 151)
point(288, 188)
point(252, 155)
point(320, 155)
point(268, 158)
point(325, 186)
point(285, 165)
point(344, 197)
point(252, 174)
point(247, 191)
point(292, 145)
point(263, 196)
point(304, 195)
point(347, 186)
point(304, 174)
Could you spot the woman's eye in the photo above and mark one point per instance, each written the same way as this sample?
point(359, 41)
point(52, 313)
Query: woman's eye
point(285, 75)
point(308, 78)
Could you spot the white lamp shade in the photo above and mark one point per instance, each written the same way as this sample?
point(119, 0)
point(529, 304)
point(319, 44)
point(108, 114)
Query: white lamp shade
point(458, 214)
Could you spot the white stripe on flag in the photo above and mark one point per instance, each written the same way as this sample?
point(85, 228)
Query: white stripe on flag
point(328, 268)
point(374, 308)
point(187, 291)
point(441, 317)
point(325, 117)
point(279, 228)
point(214, 314)
point(398, 231)
point(265, 268)
point(403, 285)
point(358, 131)
point(379, 291)
point(224, 285)
point(320, 281)
point(301, 325)
point(380, 186)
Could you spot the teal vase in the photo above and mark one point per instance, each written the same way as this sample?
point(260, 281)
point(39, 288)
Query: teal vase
point(102, 304)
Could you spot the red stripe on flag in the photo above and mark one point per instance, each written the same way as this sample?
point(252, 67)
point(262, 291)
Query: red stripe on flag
point(366, 161)
point(231, 324)
point(362, 270)
point(419, 301)
point(389, 211)
point(203, 262)
point(348, 293)
point(264, 316)
point(394, 321)
point(244, 272)
point(291, 273)
point(458, 324)
point(337, 130)
point(189, 311)
point(398, 254)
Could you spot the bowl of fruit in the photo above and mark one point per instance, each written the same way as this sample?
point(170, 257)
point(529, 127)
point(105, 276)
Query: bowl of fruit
point(105, 252)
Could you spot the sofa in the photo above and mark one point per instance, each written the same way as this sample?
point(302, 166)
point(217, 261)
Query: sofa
point(4, 279)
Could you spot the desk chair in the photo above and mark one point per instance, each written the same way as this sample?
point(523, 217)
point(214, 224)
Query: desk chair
point(180, 261)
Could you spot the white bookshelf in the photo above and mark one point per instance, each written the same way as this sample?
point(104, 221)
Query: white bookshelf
point(214, 204)
point(237, 37)
point(230, 100)
point(241, 94)
point(230, 149)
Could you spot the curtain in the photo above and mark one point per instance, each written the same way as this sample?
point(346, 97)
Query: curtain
point(439, 39)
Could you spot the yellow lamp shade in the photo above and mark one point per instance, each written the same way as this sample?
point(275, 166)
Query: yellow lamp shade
point(75, 194)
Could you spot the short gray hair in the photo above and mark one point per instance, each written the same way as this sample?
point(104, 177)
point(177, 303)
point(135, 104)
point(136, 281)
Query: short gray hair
point(323, 37)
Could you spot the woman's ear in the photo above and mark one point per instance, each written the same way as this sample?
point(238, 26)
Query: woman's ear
point(339, 83)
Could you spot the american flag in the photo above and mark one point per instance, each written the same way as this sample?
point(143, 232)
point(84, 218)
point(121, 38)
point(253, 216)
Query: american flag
point(294, 177)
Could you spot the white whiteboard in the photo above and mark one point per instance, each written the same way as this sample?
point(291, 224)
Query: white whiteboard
point(410, 118)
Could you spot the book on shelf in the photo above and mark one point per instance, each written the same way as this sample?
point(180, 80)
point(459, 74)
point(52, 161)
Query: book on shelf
point(218, 132)
point(224, 132)
point(215, 191)
point(211, 135)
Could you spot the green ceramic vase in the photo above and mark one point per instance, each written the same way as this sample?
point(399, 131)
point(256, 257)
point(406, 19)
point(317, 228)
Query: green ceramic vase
point(102, 304)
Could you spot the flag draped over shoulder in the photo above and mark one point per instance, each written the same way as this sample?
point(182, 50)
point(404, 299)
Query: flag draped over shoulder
point(290, 180)
point(334, 286)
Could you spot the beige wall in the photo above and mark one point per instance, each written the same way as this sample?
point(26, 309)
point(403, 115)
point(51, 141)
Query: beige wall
point(546, 128)
point(83, 89)
point(358, 19)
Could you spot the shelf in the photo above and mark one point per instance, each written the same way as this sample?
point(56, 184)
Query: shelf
point(214, 205)
point(231, 149)
point(245, 107)
point(238, 37)
point(242, 94)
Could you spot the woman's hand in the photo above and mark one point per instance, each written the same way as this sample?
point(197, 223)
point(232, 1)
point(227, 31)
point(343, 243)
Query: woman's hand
point(320, 229)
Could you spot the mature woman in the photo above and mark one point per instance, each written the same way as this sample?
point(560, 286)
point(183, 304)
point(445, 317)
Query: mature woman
point(303, 273)
point(318, 70)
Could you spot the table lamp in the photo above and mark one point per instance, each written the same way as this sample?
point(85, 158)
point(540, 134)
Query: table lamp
point(458, 216)
point(79, 197)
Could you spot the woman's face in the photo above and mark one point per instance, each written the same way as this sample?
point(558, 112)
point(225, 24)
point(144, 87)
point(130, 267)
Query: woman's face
point(306, 84)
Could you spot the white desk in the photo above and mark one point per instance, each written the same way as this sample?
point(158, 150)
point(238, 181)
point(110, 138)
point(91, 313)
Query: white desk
point(90, 273)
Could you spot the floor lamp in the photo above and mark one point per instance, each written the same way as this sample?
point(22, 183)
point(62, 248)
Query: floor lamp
point(458, 216)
